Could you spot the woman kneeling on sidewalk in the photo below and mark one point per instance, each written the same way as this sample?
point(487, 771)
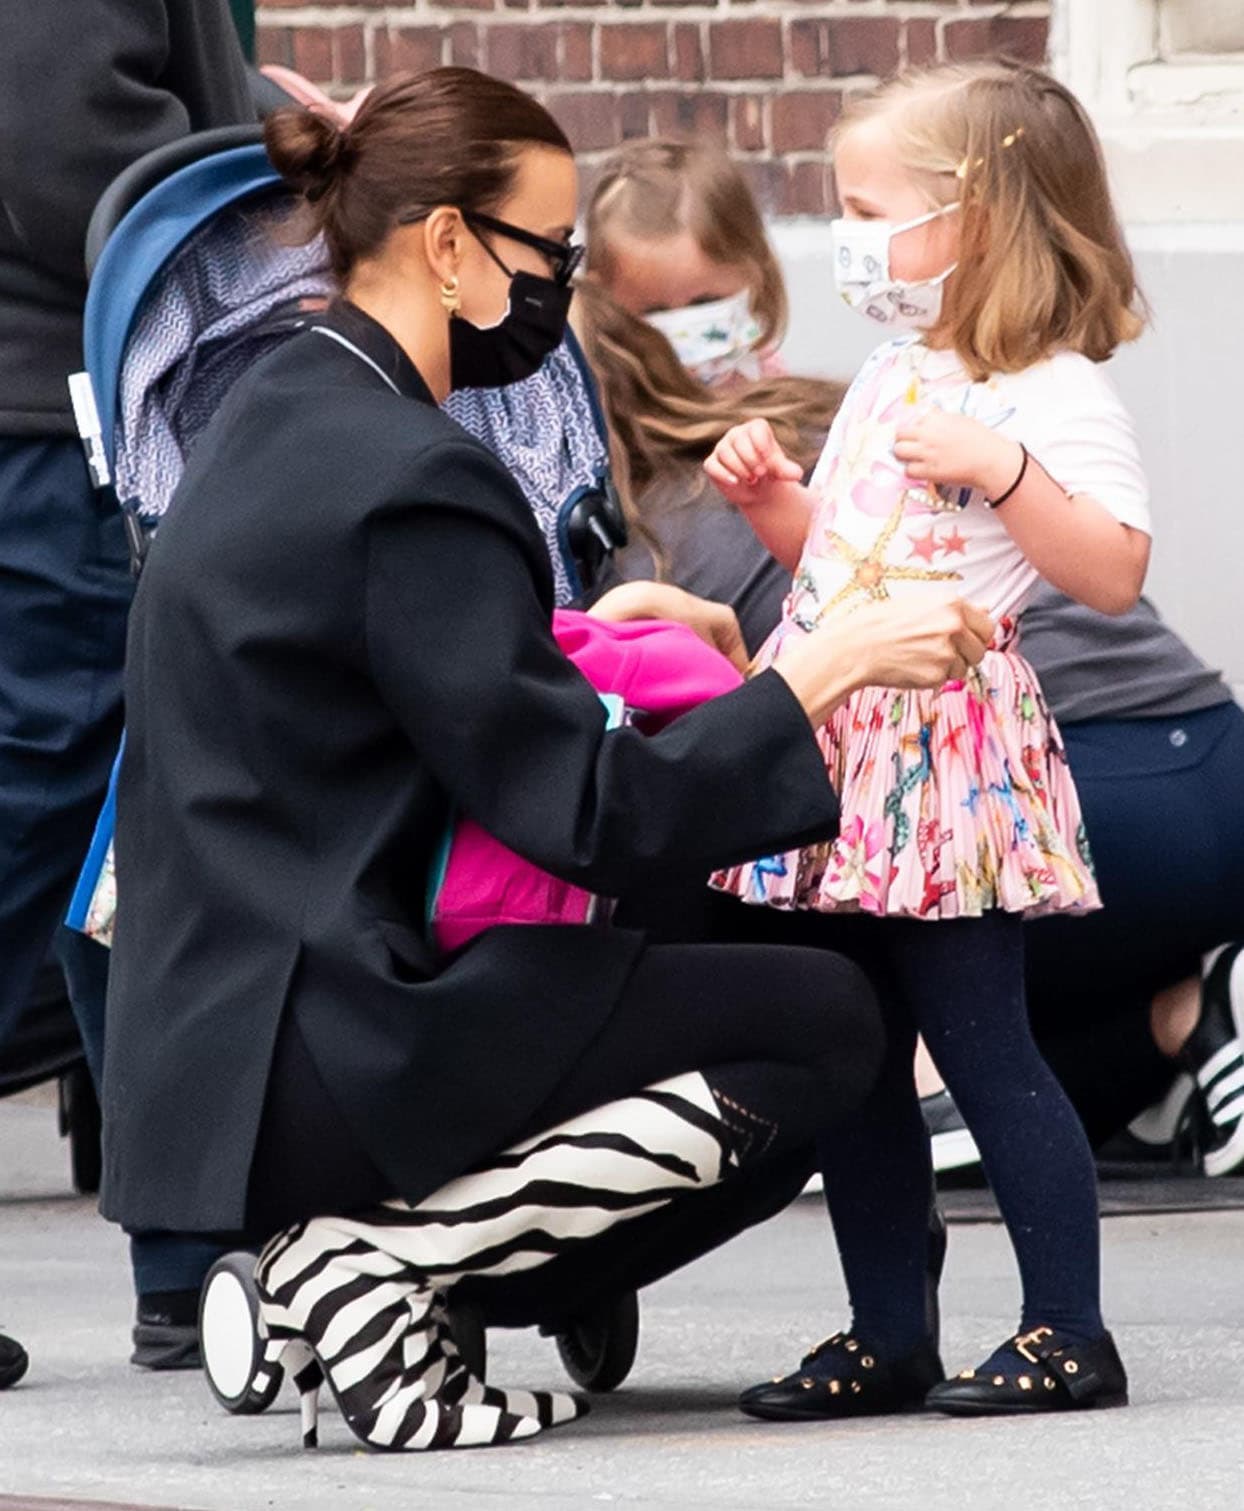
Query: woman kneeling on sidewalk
point(343, 635)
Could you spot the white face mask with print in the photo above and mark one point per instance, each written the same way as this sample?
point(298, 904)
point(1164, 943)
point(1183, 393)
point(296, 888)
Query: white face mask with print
point(712, 341)
point(862, 273)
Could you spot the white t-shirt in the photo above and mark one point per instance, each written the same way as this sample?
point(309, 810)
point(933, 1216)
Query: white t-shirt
point(876, 534)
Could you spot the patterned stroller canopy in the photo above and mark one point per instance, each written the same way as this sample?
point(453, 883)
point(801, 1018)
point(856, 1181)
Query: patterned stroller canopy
point(205, 273)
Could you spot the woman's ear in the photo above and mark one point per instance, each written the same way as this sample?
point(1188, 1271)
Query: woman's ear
point(443, 234)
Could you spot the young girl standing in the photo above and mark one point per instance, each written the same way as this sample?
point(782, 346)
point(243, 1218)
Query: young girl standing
point(979, 451)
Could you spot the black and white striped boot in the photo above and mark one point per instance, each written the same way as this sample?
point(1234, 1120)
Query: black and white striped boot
point(365, 1295)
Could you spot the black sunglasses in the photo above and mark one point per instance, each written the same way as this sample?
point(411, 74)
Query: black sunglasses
point(565, 256)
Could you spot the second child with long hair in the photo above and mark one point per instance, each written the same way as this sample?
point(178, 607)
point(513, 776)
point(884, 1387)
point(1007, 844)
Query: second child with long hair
point(981, 450)
point(681, 315)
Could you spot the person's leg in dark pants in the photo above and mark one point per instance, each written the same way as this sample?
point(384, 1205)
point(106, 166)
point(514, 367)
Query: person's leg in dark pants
point(792, 1035)
point(65, 589)
point(1165, 820)
point(168, 1268)
point(808, 1016)
point(961, 984)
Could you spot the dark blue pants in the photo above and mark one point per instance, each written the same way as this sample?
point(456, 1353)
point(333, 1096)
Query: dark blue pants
point(1164, 808)
point(160, 1261)
point(65, 590)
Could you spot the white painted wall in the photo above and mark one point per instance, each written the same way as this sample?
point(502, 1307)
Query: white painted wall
point(1183, 382)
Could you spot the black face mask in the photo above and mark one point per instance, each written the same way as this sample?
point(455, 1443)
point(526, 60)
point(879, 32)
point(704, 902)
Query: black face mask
point(533, 327)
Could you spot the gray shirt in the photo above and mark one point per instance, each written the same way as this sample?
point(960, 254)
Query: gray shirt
point(709, 549)
point(1093, 666)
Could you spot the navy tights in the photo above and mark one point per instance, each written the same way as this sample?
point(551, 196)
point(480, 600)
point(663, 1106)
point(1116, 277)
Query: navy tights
point(961, 985)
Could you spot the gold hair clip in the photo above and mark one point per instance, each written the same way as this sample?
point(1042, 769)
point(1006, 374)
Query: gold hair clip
point(961, 172)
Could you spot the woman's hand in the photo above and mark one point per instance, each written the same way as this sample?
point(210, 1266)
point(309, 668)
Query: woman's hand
point(953, 448)
point(904, 643)
point(715, 623)
point(748, 461)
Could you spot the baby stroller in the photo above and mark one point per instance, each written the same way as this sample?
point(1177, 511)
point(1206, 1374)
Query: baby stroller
point(194, 277)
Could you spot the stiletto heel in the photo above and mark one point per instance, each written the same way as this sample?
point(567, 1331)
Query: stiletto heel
point(301, 1363)
point(309, 1411)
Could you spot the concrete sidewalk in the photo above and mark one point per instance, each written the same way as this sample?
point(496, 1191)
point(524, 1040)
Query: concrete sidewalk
point(85, 1425)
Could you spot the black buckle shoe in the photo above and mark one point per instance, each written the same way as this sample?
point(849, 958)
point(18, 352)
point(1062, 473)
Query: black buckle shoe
point(842, 1377)
point(1052, 1373)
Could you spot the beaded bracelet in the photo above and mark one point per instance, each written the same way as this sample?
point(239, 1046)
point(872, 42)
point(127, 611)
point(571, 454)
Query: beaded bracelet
point(994, 503)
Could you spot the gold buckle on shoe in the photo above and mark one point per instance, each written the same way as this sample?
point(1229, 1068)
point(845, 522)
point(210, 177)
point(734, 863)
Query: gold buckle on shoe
point(1025, 1340)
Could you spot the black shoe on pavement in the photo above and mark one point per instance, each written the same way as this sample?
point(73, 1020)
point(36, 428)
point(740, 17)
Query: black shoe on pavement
point(1038, 1371)
point(953, 1146)
point(844, 1377)
point(13, 1361)
point(1214, 1054)
point(849, 1380)
point(166, 1331)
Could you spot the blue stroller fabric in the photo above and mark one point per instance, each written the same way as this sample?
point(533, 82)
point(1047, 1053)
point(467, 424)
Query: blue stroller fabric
point(184, 299)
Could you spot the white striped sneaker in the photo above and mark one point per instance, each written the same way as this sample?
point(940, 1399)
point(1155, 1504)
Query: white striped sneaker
point(1214, 1054)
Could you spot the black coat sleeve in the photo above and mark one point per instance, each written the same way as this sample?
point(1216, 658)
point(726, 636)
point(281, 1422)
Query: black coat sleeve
point(460, 645)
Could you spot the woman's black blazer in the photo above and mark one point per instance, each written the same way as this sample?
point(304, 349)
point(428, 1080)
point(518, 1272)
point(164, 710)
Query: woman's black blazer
point(341, 632)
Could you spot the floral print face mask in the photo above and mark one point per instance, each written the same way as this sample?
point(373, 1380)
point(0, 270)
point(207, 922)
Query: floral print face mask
point(862, 273)
point(713, 341)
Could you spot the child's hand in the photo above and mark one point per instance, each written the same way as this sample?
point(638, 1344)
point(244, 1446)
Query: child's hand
point(748, 461)
point(952, 448)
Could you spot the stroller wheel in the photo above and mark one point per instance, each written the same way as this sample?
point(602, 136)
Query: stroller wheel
point(466, 1322)
point(598, 1349)
point(229, 1338)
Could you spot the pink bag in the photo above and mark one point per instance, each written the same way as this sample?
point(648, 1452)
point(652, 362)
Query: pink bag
point(647, 672)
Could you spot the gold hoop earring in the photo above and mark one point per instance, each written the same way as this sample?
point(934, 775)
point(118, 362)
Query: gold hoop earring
point(451, 301)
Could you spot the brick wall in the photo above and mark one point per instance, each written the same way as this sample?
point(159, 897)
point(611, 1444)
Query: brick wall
point(765, 77)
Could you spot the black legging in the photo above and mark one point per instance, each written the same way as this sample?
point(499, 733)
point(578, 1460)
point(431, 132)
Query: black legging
point(791, 1039)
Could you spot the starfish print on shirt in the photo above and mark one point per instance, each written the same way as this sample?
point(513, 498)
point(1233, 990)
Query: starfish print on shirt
point(872, 571)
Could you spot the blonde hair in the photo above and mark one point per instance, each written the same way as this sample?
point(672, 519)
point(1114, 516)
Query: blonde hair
point(656, 188)
point(660, 416)
point(1049, 269)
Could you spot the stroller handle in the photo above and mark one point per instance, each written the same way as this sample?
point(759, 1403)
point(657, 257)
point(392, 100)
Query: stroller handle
point(140, 177)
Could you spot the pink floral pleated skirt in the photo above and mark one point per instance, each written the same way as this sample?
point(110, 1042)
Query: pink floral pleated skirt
point(953, 802)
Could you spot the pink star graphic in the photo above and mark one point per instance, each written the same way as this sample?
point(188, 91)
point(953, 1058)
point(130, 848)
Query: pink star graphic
point(924, 546)
point(954, 543)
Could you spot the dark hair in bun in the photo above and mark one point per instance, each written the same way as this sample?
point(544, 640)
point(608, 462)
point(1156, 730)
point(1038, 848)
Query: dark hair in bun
point(450, 136)
point(307, 149)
